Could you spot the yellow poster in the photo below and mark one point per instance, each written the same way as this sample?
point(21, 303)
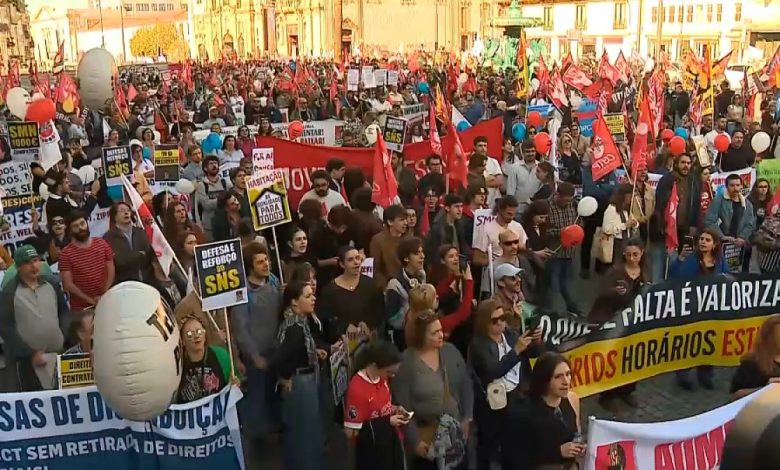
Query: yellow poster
point(268, 199)
point(75, 370)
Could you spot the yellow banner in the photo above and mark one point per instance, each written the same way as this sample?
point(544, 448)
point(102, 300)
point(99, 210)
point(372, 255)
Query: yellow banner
point(75, 371)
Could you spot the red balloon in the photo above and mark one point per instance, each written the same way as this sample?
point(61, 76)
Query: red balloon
point(667, 135)
point(677, 145)
point(542, 143)
point(41, 111)
point(295, 130)
point(722, 142)
point(534, 119)
point(572, 236)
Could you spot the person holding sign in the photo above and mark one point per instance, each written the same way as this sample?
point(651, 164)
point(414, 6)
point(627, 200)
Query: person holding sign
point(731, 215)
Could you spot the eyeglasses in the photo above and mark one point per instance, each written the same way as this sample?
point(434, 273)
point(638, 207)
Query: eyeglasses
point(495, 320)
point(511, 242)
point(192, 335)
point(58, 222)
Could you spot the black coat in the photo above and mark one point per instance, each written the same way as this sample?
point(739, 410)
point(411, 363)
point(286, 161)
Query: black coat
point(378, 446)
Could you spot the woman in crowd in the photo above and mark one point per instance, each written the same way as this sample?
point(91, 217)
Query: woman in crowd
point(245, 143)
point(371, 421)
point(706, 195)
point(411, 222)
point(206, 369)
point(147, 141)
point(618, 223)
point(621, 284)
point(545, 173)
point(53, 240)
point(176, 222)
point(643, 203)
point(705, 259)
point(298, 253)
point(350, 299)
point(229, 152)
point(417, 133)
point(265, 128)
point(761, 366)
point(434, 383)
point(569, 161)
point(535, 223)
point(184, 247)
point(500, 359)
point(311, 216)
point(545, 433)
point(297, 362)
point(760, 196)
point(226, 217)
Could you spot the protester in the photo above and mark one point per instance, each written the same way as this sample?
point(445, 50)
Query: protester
point(731, 215)
point(132, 251)
point(205, 369)
point(80, 333)
point(176, 222)
point(384, 245)
point(327, 239)
point(618, 225)
point(411, 274)
point(321, 192)
point(504, 210)
point(447, 228)
point(761, 366)
point(208, 192)
point(522, 182)
point(298, 251)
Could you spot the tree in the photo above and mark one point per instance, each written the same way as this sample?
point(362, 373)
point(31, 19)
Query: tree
point(149, 41)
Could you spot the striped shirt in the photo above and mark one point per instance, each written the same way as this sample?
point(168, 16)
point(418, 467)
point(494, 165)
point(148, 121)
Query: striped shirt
point(88, 269)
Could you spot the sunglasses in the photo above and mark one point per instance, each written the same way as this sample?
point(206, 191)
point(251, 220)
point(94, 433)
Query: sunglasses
point(192, 335)
point(58, 221)
point(495, 320)
point(511, 242)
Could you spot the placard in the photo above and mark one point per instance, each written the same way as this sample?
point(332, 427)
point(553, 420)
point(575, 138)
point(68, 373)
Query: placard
point(367, 267)
point(15, 178)
point(732, 256)
point(616, 123)
point(367, 76)
point(268, 202)
point(24, 139)
point(380, 77)
point(262, 159)
point(339, 376)
point(74, 370)
point(221, 275)
point(701, 151)
point(117, 161)
point(395, 133)
point(392, 77)
point(353, 79)
point(166, 163)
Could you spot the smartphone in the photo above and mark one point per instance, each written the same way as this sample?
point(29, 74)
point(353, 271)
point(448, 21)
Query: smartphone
point(409, 415)
point(688, 242)
point(533, 323)
point(463, 262)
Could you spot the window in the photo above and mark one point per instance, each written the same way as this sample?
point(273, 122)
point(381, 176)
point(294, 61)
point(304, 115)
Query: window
point(719, 14)
point(565, 46)
point(654, 15)
point(738, 12)
point(581, 19)
point(680, 14)
point(620, 19)
point(154, 7)
point(709, 13)
point(689, 15)
point(699, 13)
point(464, 18)
point(548, 18)
point(238, 5)
point(671, 14)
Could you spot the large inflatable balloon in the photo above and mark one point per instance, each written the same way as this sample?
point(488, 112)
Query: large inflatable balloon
point(760, 141)
point(137, 356)
point(41, 110)
point(587, 206)
point(17, 100)
point(96, 74)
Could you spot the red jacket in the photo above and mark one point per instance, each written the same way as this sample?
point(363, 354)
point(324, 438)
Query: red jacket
point(451, 321)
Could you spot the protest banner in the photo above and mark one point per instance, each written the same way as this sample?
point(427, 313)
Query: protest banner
point(380, 77)
point(74, 370)
point(268, 200)
point(732, 255)
point(392, 78)
point(166, 163)
point(75, 430)
point(717, 180)
point(482, 217)
point(770, 169)
point(395, 133)
point(24, 139)
point(339, 377)
point(262, 159)
point(367, 76)
point(314, 132)
point(586, 114)
point(616, 123)
point(694, 442)
point(353, 79)
point(673, 325)
point(15, 178)
point(367, 267)
point(221, 275)
point(117, 161)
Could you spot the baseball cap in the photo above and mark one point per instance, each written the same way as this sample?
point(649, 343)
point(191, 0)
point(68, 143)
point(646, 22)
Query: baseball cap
point(506, 270)
point(25, 254)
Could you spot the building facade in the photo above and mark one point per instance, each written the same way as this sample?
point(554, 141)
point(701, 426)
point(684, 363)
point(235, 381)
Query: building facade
point(15, 39)
point(230, 27)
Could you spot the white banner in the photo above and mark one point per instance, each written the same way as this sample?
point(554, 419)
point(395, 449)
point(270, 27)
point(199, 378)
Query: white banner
point(15, 178)
point(314, 132)
point(482, 217)
point(717, 180)
point(697, 440)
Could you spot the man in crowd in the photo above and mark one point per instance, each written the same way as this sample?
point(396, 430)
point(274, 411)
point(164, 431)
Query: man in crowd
point(709, 137)
point(447, 229)
point(336, 169)
point(521, 180)
point(32, 317)
point(434, 178)
point(509, 294)
point(132, 252)
point(80, 333)
point(86, 264)
point(412, 272)
point(193, 170)
point(504, 212)
point(731, 214)
point(207, 192)
point(739, 156)
point(494, 176)
point(384, 245)
point(560, 267)
point(321, 192)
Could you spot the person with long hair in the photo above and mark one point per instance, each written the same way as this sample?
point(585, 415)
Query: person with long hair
point(297, 251)
point(434, 383)
point(132, 252)
point(760, 196)
point(761, 366)
point(245, 143)
point(371, 421)
point(543, 433)
point(297, 362)
point(620, 285)
point(535, 223)
point(205, 369)
point(226, 217)
point(545, 173)
point(706, 259)
point(229, 152)
point(618, 223)
point(569, 160)
point(497, 354)
point(52, 241)
point(176, 222)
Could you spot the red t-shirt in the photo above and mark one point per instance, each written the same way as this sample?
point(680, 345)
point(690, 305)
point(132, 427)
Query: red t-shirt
point(88, 269)
point(366, 400)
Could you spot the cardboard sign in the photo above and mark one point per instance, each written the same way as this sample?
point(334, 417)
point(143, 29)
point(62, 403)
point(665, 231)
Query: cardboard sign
point(367, 76)
point(353, 79)
point(339, 376)
point(15, 178)
point(395, 133)
point(616, 123)
point(24, 139)
point(268, 202)
point(262, 160)
point(367, 267)
point(117, 161)
point(75, 370)
point(221, 275)
point(392, 77)
point(380, 77)
point(166, 163)
point(732, 255)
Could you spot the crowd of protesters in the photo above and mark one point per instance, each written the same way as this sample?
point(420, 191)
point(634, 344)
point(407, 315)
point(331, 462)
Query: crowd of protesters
point(443, 331)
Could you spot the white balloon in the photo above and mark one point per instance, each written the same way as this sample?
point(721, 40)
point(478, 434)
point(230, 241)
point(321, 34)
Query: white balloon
point(136, 357)
point(535, 84)
point(87, 174)
point(587, 206)
point(760, 142)
point(17, 100)
point(184, 187)
point(96, 73)
point(371, 133)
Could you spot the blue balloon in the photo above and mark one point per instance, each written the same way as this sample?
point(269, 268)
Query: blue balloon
point(462, 126)
point(147, 153)
point(518, 131)
point(423, 88)
point(682, 132)
point(586, 131)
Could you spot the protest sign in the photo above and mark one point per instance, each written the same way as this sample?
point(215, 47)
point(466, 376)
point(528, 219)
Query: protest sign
point(339, 377)
point(380, 77)
point(770, 169)
point(748, 177)
point(24, 139)
point(732, 256)
point(616, 123)
point(75, 430)
point(353, 79)
point(262, 159)
point(395, 133)
point(702, 153)
point(314, 132)
point(74, 370)
point(392, 77)
point(268, 200)
point(221, 276)
point(697, 440)
point(367, 267)
point(367, 76)
point(482, 217)
point(166, 163)
point(117, 161)
point(674, 325)
point(15, 178)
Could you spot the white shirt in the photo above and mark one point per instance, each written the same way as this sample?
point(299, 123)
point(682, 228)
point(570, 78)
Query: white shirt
point(493, 168)
point(512, 378)
point(331, 200)
point(489, 238)
point(145, 167)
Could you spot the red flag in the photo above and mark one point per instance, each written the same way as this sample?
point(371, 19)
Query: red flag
point(131, 93)
point(385, 188)
point(607, 70)
point(425, 222)
point(621, 64)
point(455, 156)
point(67, 89)
point(670, 218)
point(639, 153)
point(655, 94)
point(773, 69)
point(119, 96)
point(606, 157)
point(542, 74)
point(433, 132)
point(575, 77)
point(567, 62)
point(719, 67)
point(58, 63)
point(218, 101)
point(334, 93)
point(14, 77)
point(556, 90)
point(774, 204)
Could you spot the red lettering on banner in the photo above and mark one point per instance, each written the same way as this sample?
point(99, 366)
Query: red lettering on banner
point(703, 451)
point(738, 341)
point(593, 368)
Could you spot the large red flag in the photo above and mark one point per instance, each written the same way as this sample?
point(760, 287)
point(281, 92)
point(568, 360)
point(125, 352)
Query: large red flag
point(774, 204)
point(606, 157)
point(575, 77)
point(556, 90)
point(773, 69)
point(670, 218)
point(607, 70)
point(542, 74)
point(455, 156)
point(433, 132)
point(131, 93)
point(639, 153)
point(385, 188)
point(14, 76)
point(621, 64)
